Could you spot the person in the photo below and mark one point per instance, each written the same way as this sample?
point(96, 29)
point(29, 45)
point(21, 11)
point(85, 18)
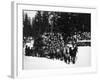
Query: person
point(38, 46)
point(65, 54)
point(27, 51)
point(68, 55)
point(73, 54)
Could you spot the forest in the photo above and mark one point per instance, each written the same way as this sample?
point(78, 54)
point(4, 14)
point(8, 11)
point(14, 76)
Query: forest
point(50, 21)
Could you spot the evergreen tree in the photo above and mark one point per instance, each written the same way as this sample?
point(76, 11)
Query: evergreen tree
point(27, 30)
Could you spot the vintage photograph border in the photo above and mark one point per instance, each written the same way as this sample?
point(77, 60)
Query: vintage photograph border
point(16, 67)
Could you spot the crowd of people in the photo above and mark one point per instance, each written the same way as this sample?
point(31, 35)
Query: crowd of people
point(53, 46)
point(84, 36)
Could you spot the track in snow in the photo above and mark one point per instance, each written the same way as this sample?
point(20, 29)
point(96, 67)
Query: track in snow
point(83, 59)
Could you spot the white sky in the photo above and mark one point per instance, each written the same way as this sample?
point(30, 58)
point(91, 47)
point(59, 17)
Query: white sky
point(30, 14)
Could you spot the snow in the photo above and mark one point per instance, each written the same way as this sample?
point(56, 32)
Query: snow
point(83, 59)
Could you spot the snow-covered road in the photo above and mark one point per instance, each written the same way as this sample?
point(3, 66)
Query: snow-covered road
point(83, 59)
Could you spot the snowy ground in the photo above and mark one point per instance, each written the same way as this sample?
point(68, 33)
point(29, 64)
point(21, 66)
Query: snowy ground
point(83, 59)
